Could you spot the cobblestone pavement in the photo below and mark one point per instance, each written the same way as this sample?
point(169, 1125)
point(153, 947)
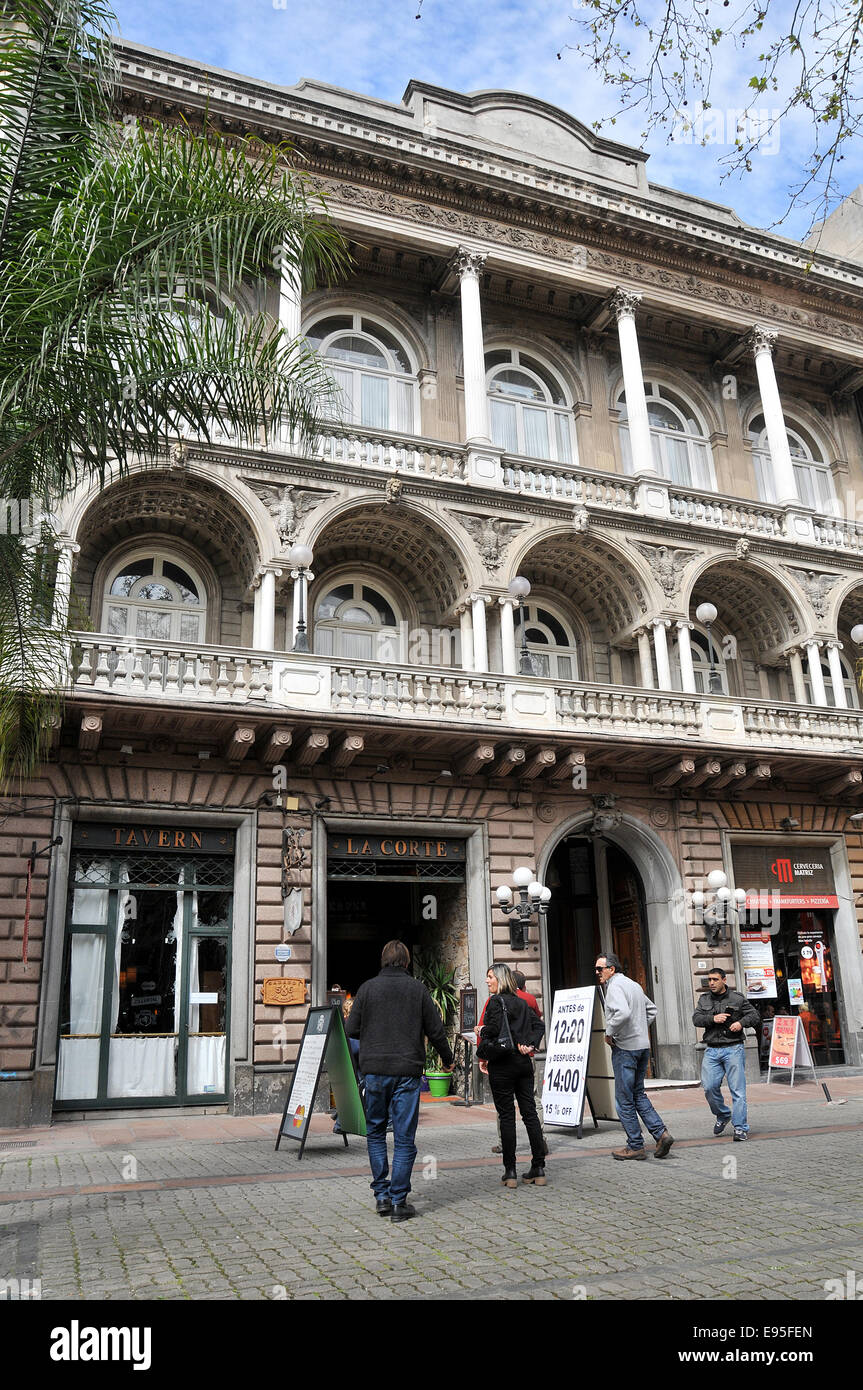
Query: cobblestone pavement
point(205, 1209)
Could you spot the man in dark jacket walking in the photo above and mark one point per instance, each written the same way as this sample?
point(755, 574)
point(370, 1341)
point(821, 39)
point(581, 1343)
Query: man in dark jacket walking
point(724, 1013)
point(391, 1016)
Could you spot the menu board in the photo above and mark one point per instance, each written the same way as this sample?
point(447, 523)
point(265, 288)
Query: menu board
point(323, 1039)
point(759, 972)
point(788, 1047)
point(783, 1042)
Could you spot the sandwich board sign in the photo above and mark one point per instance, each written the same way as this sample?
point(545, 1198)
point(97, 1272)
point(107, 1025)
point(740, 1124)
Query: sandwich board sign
point(323, 1041)
point(789, 1048)
point(567, 1041)
point(600, 1072)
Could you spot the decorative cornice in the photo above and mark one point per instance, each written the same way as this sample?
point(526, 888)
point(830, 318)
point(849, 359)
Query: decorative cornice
point(613, 265)
point(275, 110)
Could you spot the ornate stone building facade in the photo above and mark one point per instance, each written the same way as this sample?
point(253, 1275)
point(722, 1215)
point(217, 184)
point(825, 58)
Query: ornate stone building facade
point(549, 369)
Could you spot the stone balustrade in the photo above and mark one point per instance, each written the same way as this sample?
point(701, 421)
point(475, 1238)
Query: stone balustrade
point(174, 673)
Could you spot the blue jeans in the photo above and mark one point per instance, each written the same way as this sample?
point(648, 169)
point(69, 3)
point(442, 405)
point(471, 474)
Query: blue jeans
point(726, 1061)
point(630, 1097)
point(397, 1097)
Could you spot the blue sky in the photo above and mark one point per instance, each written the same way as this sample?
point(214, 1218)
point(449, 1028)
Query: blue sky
point(377, 46)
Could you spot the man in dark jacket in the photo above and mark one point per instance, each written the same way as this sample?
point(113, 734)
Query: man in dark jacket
point(392, 1015)
point(723, 1013)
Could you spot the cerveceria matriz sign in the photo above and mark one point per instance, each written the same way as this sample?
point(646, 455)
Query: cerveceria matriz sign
point(801, 879)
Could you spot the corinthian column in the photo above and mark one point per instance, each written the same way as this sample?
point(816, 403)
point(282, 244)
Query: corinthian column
point(762, 341)
point(624, 304)
point(684, 647)
point(63, 583)
point(816, 675)
point(290, 297)
point(837, 678)
point(468, 264)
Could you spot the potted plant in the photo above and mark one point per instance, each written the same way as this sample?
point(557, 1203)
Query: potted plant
point(439, 980)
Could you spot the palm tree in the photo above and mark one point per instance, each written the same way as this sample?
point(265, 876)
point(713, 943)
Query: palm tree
point(125, 252)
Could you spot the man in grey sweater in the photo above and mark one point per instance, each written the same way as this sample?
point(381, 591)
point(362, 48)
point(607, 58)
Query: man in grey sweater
point(628, 1015)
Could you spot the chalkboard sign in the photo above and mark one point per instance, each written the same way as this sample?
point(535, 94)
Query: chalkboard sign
point(323, 1041)
point(467, 1009)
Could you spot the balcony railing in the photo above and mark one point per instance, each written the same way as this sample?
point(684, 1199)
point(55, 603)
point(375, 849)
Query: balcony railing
point(359, 448)
point(531, 707)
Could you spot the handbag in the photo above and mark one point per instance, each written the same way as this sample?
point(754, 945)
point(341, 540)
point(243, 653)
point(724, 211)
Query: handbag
point(501, 1046)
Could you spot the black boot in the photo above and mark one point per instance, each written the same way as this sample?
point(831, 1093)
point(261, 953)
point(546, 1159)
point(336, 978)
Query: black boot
point(535, 1174)
point(510, 1177)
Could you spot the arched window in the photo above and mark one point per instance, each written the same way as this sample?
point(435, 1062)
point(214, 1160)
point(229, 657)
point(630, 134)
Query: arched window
point(356, 622)
point(550, 641)
point(678, 438)
point(852, 694)
point(811, 471)
point(528, 411)
point(372, 369)
point(701, 663)
point(153, 599)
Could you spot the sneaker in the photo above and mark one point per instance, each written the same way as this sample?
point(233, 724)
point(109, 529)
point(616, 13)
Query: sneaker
point(720, 1126)
point(403, 1212)
point(383, 1206)
point(629, 1153)
point(663, 1145)
point(535, 1174)
point(510, 1177)
point(740, 1136)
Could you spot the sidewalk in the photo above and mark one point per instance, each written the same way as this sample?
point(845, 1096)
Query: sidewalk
point(203, 1207)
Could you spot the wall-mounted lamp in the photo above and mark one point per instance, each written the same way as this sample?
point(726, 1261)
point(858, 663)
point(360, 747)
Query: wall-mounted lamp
point(533, 899)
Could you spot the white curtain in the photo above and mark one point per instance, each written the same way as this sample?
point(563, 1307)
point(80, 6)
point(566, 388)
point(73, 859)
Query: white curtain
point(178, 959)
point(194, 987)
point(87, 972)
point(206, 1069)
point(139, 1067)
point(535, 433)
point(126, 909)
point(376, 401)
point(78, 1057)
point(78, 1069)
point(504, 431)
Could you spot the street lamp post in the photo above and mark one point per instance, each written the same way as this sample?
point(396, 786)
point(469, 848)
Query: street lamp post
point(300, 558)
point(706, 614)
point(715, 915)
point(533, 899)
point(519, 588)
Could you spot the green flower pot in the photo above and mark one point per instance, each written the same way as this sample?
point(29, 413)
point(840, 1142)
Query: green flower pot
point(439, 1082)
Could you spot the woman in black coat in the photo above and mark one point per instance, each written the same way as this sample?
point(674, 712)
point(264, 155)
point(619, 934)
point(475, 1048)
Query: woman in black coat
point(510, 1070)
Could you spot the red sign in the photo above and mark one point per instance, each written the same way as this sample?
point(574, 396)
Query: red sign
point(799, 878)
point(783, 1042)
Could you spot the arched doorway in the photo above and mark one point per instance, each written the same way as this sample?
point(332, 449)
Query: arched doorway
point(620, 890)
point(597, 904)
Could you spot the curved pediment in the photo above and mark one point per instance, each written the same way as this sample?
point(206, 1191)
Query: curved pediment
point(523, 127)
